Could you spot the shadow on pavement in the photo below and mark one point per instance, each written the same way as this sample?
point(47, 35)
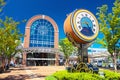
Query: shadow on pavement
point(14, 69)
point(22, 77)
point(8, 71)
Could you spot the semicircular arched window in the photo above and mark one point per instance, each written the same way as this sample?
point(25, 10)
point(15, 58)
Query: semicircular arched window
point(41, 34)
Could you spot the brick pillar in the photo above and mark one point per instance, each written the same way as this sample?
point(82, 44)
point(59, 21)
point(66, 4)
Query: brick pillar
point(24, 59)
point(56, 47)
point(57, 59)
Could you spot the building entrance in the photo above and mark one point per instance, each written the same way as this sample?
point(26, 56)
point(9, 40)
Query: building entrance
point(40, 59)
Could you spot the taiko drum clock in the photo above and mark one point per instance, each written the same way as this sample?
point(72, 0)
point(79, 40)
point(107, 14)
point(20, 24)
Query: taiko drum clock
point(81, 26)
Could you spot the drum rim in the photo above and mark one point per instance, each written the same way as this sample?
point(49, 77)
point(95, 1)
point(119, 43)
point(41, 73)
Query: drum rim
point(79, 34)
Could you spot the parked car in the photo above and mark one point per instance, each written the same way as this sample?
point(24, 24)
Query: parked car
point(99, 63)
point(12, 64)
point(93, 67)
point(94, 63)
point(111, 65)
point(118, 64)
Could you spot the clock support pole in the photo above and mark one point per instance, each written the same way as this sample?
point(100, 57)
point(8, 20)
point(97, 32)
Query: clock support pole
point(82, 54)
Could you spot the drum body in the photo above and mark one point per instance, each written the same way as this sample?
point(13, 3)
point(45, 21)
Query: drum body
point(81, 29)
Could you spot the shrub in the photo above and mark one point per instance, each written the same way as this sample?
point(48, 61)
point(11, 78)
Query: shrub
point(50, 78)
point(64, 75)
point(110, 75)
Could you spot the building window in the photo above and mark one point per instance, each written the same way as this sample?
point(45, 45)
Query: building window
point(41, 34)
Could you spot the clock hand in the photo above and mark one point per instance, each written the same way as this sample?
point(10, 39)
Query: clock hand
point(87, 24)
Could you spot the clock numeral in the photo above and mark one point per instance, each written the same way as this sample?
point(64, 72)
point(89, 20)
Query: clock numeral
point(90, 17)
point(78, 22)
point(79, 17)
point(82, 15)
point(86, 15)
point(79, 27)
point(93, 30)
point(92, 20)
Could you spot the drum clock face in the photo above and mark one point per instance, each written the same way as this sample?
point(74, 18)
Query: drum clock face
point(86, 23)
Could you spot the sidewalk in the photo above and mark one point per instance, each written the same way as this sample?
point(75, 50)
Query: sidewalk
point(30, 73)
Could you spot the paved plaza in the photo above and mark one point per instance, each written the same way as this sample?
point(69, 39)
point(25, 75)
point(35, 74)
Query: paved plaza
point(30, 73)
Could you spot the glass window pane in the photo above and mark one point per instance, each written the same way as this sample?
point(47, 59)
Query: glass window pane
point(41, 34)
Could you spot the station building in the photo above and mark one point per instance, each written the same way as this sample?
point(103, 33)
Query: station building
point(40, 46)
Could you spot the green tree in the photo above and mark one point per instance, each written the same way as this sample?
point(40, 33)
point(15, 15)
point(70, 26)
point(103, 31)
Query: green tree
point(9, 38)
point(67, 48)
point(110, 27)
point(2, 4)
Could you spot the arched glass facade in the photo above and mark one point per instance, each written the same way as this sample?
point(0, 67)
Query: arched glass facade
point(41, 34)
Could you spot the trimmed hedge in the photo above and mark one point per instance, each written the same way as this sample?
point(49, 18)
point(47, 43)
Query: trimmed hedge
point(76, 76)
point(110, 75)
point(50, 78)
point(64, 75)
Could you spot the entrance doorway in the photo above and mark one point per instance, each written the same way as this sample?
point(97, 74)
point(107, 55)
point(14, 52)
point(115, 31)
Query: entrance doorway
point(40, 59)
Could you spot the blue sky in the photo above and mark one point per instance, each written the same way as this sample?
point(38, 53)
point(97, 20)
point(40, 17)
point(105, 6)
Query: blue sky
point(56, 9)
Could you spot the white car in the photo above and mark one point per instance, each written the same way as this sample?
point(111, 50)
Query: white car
point(94, 63)
point(111, 65)
point(99, 63)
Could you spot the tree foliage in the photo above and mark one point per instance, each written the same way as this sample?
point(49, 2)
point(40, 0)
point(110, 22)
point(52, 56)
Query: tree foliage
point(109, 23)
point(9, 37)
point(2, 4)
point(66, 47)
point(109, 26)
